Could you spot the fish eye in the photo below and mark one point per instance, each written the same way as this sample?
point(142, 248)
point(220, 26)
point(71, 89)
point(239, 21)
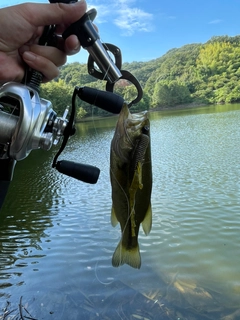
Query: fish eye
point(145, 129)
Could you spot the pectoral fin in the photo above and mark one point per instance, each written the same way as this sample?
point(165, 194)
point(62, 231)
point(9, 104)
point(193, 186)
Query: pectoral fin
point(147, 222)
point(114, 220)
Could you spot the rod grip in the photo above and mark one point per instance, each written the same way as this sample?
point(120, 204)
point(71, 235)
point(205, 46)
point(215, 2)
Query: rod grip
point(105, 100)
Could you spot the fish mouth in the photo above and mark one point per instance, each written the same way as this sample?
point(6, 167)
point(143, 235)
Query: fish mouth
point(129, 128)
point(134, 125)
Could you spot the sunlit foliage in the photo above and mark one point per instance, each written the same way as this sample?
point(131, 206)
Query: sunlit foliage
point(199, 73)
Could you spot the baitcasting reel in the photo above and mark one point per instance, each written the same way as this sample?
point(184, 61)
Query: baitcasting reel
point(28, 122)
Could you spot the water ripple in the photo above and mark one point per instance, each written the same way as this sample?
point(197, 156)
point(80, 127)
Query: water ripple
point(56, 240)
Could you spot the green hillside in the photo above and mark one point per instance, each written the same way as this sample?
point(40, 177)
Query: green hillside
point(195, 73)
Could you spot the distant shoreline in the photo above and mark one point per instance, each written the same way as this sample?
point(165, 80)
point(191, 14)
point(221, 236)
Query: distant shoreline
point(180, 107)
point(167, 108)
point(186, 106)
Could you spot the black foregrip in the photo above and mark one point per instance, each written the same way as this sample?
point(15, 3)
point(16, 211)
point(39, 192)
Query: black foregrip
point(83, 172)
point(108, 101)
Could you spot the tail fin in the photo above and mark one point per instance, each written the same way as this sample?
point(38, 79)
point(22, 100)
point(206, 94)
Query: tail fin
point(123, 255)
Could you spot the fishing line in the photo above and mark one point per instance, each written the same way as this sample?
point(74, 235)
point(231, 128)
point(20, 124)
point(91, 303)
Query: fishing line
point(125, 195)
point(93, 108)
point(107, 157)
point(98, 279)
point(130, 206)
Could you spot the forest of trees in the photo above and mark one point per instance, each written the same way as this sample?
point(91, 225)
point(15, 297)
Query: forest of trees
point(196, 73)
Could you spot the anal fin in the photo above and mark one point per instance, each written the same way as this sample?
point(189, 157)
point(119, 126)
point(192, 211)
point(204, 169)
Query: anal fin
point(114, 220)
point(147, 222)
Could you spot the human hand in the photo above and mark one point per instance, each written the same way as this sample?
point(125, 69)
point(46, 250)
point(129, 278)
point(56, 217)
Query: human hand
point(22, 26)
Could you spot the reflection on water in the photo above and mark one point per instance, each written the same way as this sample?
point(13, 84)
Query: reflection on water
point(56, 240)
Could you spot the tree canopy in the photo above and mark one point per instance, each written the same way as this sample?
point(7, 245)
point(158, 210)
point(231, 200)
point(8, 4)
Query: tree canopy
point(200, 73)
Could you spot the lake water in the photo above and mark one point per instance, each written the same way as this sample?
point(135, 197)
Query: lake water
point(56, 240)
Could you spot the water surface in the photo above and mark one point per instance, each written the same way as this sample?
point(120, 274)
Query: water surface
point(56, 240)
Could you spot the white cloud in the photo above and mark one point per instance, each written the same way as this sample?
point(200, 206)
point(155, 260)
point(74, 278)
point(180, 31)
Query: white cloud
point(216, 21)
point(133, 20)
point(125, 15)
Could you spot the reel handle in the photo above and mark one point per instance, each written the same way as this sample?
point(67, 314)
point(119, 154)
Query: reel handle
point(79, 171)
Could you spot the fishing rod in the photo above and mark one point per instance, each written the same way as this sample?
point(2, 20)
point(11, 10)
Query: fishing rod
point(29, 122)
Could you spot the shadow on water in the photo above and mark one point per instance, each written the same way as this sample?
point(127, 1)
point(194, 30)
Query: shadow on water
point(56, 240)
point(25, 216)
point(118, 301)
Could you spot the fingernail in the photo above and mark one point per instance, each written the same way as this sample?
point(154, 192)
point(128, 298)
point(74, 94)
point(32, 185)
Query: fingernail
point(76, 48)
point(27, 55)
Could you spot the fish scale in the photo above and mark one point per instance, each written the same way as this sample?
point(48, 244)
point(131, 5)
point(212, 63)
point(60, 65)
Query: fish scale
point(131, 180)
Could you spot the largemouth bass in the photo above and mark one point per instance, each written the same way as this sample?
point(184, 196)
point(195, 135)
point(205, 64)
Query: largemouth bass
point(131, 180)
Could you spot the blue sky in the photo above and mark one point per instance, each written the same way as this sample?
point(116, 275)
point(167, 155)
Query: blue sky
point(146, 29)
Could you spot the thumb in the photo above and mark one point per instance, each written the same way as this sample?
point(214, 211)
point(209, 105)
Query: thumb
point(54, 13)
